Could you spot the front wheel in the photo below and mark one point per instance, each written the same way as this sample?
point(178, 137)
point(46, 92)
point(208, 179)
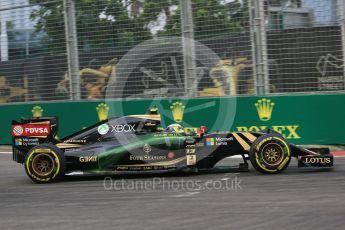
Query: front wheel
point(45, 163)
point(270, 154)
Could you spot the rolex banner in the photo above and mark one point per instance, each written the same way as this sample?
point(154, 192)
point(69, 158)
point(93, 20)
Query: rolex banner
point(308, 119)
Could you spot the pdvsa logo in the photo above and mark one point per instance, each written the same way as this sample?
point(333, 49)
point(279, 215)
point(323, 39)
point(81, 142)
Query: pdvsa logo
point(29, 130)
point(17, 130)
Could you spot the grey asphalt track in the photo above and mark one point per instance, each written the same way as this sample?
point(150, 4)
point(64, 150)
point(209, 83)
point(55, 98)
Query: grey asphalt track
point(295, 199)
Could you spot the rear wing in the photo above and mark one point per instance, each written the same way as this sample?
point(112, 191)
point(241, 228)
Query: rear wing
point(30, 132)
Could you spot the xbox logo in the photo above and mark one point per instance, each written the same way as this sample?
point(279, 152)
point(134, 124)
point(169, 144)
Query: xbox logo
point(103, 129)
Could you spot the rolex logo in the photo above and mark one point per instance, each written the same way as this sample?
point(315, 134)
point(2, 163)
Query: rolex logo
point(102, 111)
point(37, 111)
point(264, 107)
point(177, 109)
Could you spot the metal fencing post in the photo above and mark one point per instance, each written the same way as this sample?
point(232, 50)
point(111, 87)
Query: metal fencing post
point(260, 47)
point(252, 42)
point(341, 19)
point(3, 35)
point(72, 49)
point(189, 58)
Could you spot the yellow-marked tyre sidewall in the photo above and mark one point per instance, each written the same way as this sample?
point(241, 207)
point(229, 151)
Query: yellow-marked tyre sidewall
point(257, 151)
point(48, 150)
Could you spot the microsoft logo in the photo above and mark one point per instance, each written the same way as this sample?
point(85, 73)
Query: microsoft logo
point(18, 141)
point(209, 141)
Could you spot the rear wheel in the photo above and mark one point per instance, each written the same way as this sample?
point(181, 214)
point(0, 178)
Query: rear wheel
point(45, 163)
point(270, 154)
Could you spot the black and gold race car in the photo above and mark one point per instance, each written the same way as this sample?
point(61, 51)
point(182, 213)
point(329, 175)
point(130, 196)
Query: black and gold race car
point(138, 143)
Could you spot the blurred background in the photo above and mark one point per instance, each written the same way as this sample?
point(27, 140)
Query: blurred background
point(59, 50)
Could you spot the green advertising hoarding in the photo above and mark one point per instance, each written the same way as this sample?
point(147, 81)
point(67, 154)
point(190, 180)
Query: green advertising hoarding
point(307, 119)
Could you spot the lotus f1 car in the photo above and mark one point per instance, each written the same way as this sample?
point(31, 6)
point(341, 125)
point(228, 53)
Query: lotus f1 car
point(137, 143)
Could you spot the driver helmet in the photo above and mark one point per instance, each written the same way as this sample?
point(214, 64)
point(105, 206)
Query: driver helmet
point(175, 128)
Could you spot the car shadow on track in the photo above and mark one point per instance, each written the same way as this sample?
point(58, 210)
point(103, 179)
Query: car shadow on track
point(251, 173)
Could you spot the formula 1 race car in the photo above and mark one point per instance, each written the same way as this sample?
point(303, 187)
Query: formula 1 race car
point(138, 143)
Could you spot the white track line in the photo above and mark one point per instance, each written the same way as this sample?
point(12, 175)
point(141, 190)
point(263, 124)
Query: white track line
point(236, 156)
point(186, 194)
point(5, 152)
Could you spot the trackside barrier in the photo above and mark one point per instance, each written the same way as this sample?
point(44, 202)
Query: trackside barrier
point(307, 119)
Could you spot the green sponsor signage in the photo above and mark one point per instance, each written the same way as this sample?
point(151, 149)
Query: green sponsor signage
point(307, 119)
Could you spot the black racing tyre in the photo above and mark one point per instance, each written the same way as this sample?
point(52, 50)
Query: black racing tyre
point(270, 154)
point(45, 163)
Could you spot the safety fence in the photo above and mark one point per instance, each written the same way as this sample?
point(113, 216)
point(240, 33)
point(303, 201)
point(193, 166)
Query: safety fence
point(94, 50)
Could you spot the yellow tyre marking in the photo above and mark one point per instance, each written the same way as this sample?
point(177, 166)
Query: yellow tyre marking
point(282, 164)
point(261, 166)
point(40, 151)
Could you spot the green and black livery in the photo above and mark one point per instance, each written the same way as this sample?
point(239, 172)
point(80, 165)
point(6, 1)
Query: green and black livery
point(137, 143)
